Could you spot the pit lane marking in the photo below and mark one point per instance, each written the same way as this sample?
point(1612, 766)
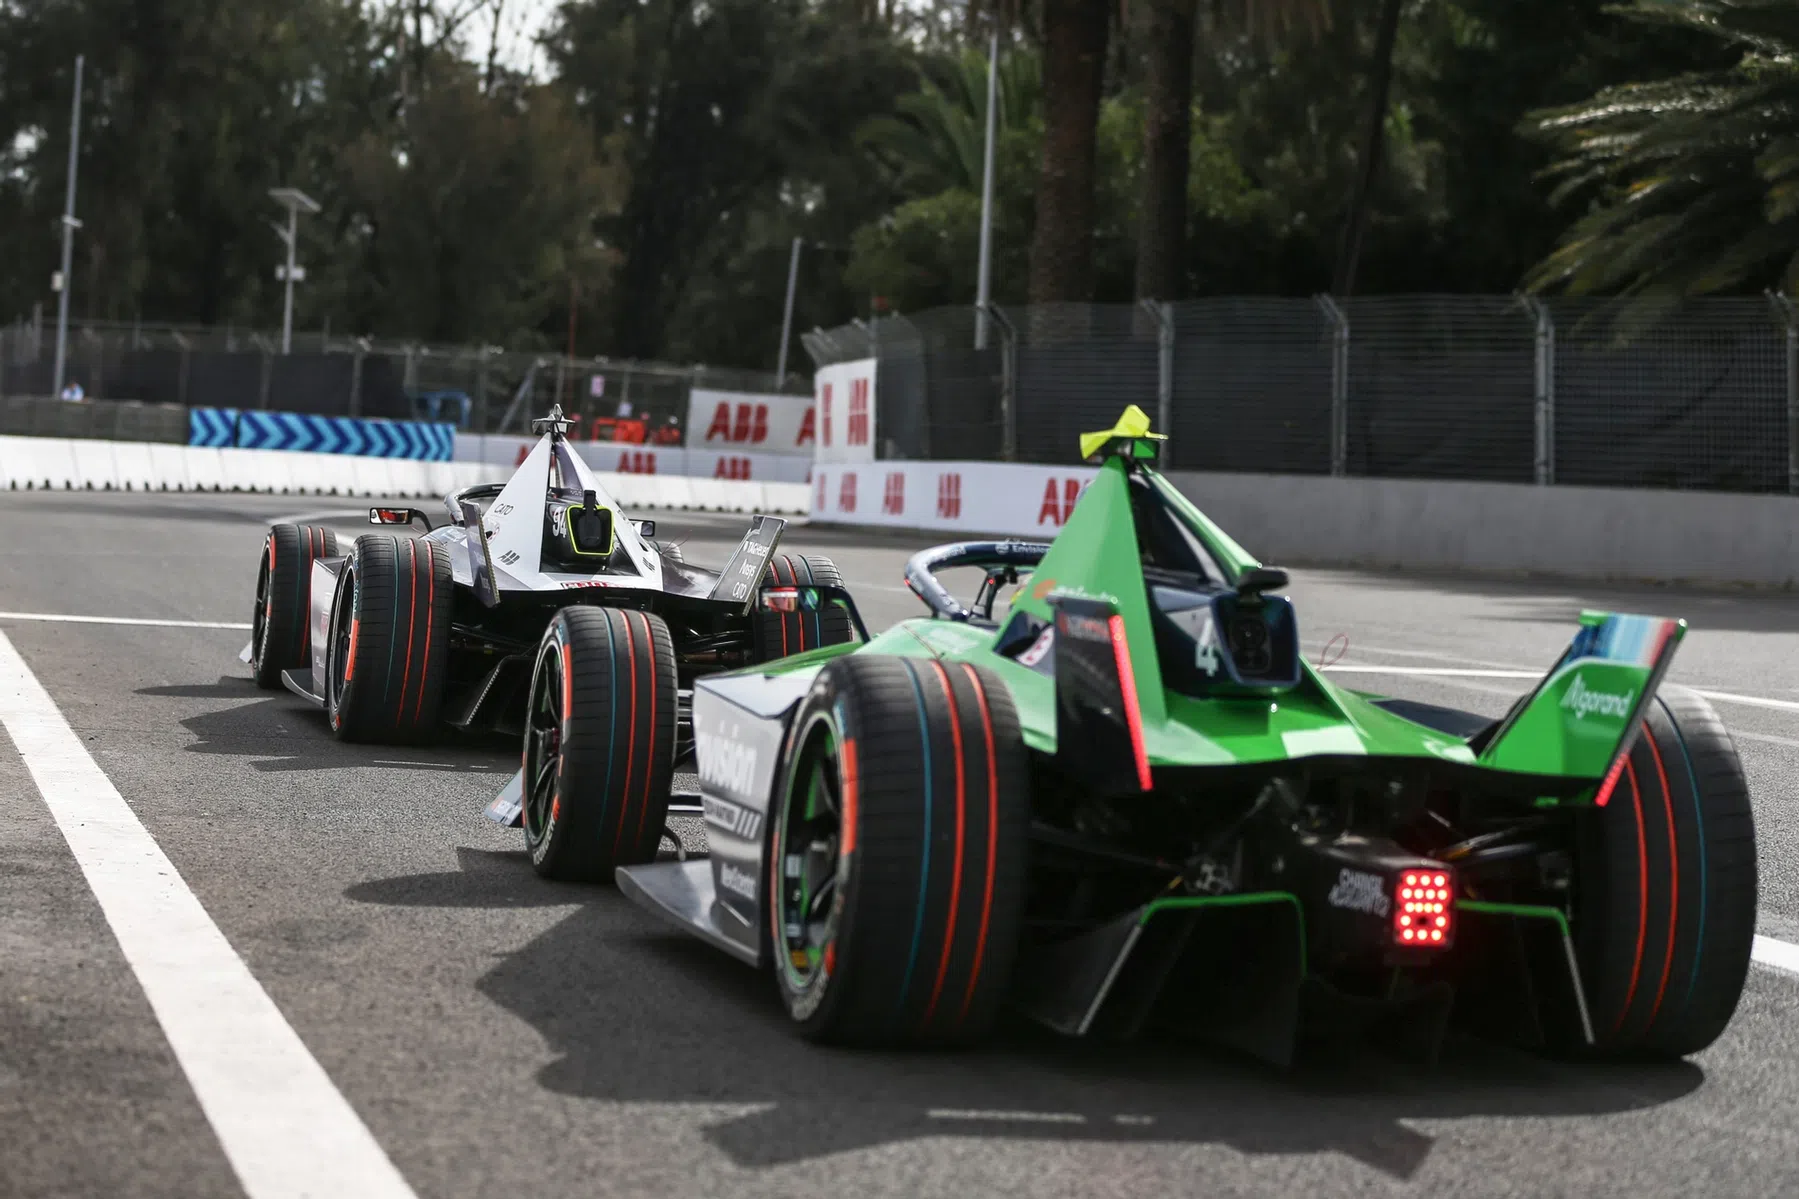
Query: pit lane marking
point(147, 622)
point(285, 1128)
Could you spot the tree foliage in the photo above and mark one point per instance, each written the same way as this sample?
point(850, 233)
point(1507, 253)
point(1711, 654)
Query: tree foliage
point(646, 185)
point(1692, 181)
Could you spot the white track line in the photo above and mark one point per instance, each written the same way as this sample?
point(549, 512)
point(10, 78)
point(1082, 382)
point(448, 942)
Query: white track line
point(283, 1125)
point(1776, 954)
point(58, 618)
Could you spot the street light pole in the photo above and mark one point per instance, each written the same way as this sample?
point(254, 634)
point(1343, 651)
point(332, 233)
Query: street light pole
point(793, 276)
point(295, 201)
point(69, 225)
point(984, 283)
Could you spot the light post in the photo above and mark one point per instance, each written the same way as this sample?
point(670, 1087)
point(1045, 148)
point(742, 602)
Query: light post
point(69, 225)
point(296, 202)
point(984, 281)
point(793, 277)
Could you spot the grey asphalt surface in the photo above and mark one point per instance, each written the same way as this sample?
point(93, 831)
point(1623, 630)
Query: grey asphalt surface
point(503, 1036)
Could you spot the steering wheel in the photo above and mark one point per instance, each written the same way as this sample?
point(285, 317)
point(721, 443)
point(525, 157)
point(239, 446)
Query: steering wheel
point(1002, 560)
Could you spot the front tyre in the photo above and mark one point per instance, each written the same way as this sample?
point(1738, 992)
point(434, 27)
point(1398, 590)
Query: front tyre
point(897, 859)
point(278, 637)
point(1665, 888)
point(599, 753)
point(390, 640)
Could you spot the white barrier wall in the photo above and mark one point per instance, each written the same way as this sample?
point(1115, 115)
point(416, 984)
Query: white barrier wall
point(743, 422)
point(1296, 520)
point(59, 464)
point(507, 450)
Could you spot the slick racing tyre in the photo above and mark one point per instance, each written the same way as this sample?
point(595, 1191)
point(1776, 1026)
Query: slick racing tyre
point(779, 634)
point(390, 640)
point(278, 638)
point(897, 853)
point(599, 752)
point(1665, 888)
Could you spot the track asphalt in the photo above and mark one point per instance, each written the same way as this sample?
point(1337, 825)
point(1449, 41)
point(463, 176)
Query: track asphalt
point(500, 1036)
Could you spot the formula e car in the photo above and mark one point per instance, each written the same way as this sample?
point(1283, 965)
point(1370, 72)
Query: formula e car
point(402, 637)
point(1129, 803)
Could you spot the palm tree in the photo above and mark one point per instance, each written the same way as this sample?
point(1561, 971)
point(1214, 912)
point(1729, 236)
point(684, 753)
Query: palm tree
point(1075, 33)
point(1692, 182)
point(1168, 119)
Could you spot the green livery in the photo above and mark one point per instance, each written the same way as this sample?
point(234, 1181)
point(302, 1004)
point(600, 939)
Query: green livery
point(1125, 801)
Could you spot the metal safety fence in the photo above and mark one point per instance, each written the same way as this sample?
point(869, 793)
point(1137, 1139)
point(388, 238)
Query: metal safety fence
point(1702, 395)
point(480, 389)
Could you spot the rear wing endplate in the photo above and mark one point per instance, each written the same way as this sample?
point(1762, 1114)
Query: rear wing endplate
point(739, 581)
point(1583, 719)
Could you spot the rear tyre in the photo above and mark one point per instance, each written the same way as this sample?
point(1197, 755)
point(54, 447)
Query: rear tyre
point(897, 859)
point(390, 640)
point(599, 751)
point(779, 634)
point(1665, 888)
point(278, 638)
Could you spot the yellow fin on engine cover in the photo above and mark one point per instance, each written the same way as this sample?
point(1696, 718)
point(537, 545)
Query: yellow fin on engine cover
point(1133, 424)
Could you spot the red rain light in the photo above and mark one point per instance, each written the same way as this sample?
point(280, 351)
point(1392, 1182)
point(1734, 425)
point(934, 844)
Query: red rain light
point(1427, 899)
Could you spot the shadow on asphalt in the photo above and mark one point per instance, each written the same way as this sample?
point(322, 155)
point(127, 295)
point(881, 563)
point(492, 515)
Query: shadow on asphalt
point(636, 1014)
point(285, 733)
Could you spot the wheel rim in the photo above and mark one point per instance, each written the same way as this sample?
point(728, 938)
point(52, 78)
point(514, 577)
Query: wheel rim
point(342, 619)
point(259, 623)
point(809, 863)
point(543, 742)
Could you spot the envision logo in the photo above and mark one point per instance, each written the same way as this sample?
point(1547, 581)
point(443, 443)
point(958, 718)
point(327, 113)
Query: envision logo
point(1582, 700)
point(726, 764)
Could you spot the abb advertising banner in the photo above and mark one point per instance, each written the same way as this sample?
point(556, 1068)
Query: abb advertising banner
point(962, 497)
point(845, 395)
point(744, 422)
point(624, 458)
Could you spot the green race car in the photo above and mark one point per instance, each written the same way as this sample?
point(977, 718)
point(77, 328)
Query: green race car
point(1128, 803)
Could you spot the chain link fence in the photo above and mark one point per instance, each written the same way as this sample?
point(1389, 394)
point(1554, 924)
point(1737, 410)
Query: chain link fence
point(1702, 395)
point(480, 389)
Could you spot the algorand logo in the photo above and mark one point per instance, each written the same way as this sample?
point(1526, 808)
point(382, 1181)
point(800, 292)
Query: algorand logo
point(1583, 700)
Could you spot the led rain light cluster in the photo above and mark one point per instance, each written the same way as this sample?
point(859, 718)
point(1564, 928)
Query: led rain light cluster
point(1424, 913)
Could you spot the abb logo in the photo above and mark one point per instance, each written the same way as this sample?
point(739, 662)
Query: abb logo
point(858, 430)
point(1059, 501)
point(846, 493)
point(637, 462)
point(893, 500)
point(824, 412)
point(819, 500)
point(809, 426)
point(732, 468)
point(949, 496)
point(524, 451)
point(748, 425)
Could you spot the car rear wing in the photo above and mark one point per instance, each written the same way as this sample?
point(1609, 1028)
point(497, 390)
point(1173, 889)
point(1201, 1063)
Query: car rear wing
point(1583, 719)
point(742, 575)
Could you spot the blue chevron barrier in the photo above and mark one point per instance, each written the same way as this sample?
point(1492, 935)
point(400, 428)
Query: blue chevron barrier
point(253, 429)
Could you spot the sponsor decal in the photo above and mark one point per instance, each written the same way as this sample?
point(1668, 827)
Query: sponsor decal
point(1082, 628)
point(846, 492)
point(824, 409)
point(738, 882)
point(858, 423)
point(732, 468)
point(949, 496)
point(808, 429)
point(585, 583)
point(1583, 700)
point(1079, 592)
point(821, 501)
point(509, 557)
point(1357, 891)
point(502, 509)
point(893, 500)
point(725, 762)
point(732, 818)
point(748, 427)
point(1039, 648)
point(1059, 498)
